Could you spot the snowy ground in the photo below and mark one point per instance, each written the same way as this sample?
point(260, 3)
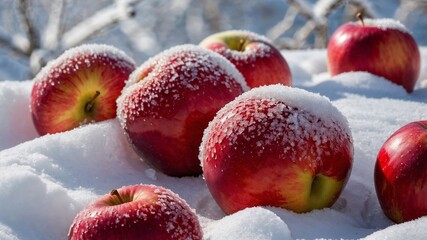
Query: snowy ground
point(45, 181)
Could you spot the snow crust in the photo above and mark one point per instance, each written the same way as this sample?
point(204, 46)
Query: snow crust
point(386, 23)
point(297, 115)
point(45, 181)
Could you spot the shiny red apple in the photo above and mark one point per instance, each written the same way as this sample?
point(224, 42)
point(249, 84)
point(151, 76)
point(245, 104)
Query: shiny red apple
point(259, 61)
point(137, 212)
point(277, 146)
point(170, 100)
point(383, 47)
point(80, 86)
point(401, 173)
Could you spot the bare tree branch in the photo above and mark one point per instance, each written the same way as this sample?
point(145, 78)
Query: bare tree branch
point(317, 15)
point(18, 44)
point(102, 20)
point(213, 14)
point(284, 25)
point(24, 9)
point(55, 24)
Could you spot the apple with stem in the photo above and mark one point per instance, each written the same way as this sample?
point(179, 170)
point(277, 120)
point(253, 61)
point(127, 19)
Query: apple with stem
point(401, 173)
point(169, 101)
point(277, 146)
point(254, 56)
point(137, 212)
point(383, 47)
point(80, 86)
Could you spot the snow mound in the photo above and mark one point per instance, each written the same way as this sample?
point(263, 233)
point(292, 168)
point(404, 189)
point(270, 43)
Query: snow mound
point(14, 100)
point(253, 223)
point(410, 230)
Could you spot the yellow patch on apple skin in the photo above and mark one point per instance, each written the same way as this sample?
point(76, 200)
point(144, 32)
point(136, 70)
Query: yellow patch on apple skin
point(398, 54)
point(78, 93)
point(307, 192)
point(292, 188)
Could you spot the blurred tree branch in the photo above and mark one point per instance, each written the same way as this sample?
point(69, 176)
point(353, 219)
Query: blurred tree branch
point(316, 16)
point(38, 48)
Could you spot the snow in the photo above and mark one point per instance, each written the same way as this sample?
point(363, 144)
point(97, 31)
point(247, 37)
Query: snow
point(386, 23)
point(46, 181)
point(293, 116)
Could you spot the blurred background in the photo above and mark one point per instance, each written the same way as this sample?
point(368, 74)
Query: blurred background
point(32, 32)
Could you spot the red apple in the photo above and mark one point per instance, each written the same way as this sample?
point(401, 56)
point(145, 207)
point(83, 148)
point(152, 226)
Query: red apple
point(253, 55)
point(137, 212)
point(170, 100)
point(277, 146)
point(401, 173)
point(383, 47)
point(80, 86)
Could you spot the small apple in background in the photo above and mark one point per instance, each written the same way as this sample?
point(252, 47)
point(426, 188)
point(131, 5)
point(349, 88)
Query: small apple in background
point(253, 55)
point(277, 146)
point(169, 101)
point(80, 86)
point(137, 212)
point(401, 173)
point(383, 47)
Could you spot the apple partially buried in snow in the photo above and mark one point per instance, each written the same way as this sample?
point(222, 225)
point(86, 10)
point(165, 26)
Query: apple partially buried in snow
point(137, 212)
point(383, 47)
point(169, 101)
point(254, 56)
point(79, 87)
point(277, 146)
point(401, 173)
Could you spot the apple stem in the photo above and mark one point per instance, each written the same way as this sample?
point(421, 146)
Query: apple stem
point(116, 193)
point(359, 15)
point(242, 44)
point(89, 105)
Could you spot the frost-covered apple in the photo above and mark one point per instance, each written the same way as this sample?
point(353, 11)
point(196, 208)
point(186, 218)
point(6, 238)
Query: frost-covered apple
point(383, 47)
point(259, 61)
point(401, 173)
point(80, 86)
point(169, 101)
point(277, 146)
point(137, 212)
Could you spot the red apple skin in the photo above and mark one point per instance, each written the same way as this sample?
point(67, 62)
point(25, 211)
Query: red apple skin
point(253, 161)
point(390, 53)
point(62, 89)
point(166, 109)
point(149, 212)
point(254, 56)
point(401, 173)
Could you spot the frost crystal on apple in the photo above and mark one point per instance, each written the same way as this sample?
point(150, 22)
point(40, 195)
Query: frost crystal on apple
point(306, 124)
point(169, 101)
point(196, 65)
point(72, 59)
point(386, 23)
point(263, 50)
point(148, 211)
